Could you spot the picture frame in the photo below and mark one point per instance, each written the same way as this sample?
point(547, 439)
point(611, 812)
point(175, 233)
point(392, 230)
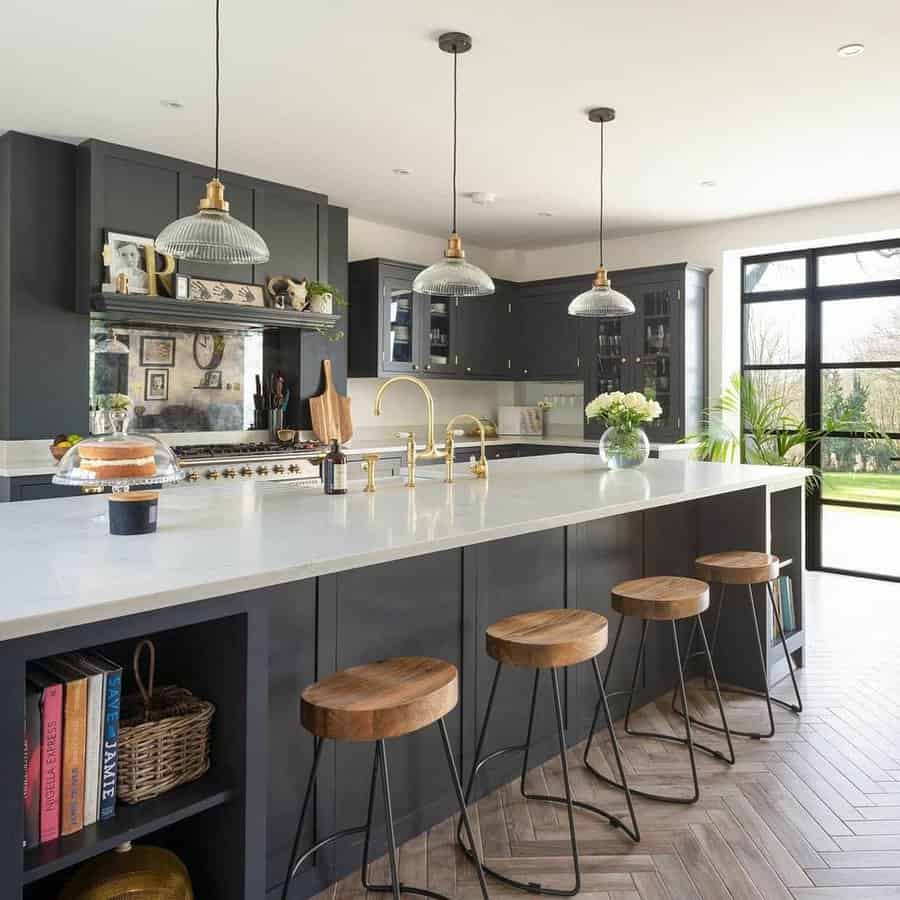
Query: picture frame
point(156, 385)
point(127, 254)
point(182, 287)
point(208, 290)
point(212, 379)
point(157, 351)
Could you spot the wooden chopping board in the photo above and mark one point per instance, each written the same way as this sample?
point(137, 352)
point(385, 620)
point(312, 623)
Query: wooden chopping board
point(330, 411)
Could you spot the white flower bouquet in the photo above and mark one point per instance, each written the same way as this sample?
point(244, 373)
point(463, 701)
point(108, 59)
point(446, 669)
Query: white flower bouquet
point(624, 444)
point(623, 411)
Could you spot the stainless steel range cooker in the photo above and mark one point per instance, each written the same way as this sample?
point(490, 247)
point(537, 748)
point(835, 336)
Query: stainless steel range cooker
point(259, 461)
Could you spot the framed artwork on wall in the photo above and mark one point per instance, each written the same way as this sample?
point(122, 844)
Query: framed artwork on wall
point(158, 351)
point(156, 384)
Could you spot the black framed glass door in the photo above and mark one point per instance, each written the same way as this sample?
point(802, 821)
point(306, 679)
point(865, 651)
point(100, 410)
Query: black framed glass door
point(821, 337)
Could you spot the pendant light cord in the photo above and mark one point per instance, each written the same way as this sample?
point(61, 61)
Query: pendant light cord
point(453, 177)
point(217, 86)
point(601, 193)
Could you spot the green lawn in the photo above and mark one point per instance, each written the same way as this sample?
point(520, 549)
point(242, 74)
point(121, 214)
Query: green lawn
point(862, 487)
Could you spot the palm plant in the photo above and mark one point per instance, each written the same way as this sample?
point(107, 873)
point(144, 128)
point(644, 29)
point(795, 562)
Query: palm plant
point(768, 435)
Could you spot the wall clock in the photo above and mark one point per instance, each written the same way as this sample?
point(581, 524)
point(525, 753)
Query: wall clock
point(208, 350)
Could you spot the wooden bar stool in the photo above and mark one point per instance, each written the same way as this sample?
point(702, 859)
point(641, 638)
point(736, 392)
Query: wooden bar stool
point(744, 567)
point(662, 598)
point(550, 639)
point(373, 702)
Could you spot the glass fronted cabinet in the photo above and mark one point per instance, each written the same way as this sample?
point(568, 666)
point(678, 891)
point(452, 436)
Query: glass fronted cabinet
point(400, 325)
point(658, 306)
point(660, 350)
point(440, 354)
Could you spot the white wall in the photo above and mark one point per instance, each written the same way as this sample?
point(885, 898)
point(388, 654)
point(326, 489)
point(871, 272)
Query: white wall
point(370, 239)
point(718, 245)
point(403, 406)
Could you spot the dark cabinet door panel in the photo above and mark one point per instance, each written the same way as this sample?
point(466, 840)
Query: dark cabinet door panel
point(292, 666)
point(409, 607)
point(288, 222)
point(240, 198)
point(139, 198)
point(547, 344)
point(607, 551)
point(516, 575)
point(485, 335)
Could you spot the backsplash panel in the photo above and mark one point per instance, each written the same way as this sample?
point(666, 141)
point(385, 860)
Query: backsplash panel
point(176, 380)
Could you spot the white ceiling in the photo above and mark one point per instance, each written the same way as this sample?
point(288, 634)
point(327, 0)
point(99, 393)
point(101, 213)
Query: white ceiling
point(333, 95)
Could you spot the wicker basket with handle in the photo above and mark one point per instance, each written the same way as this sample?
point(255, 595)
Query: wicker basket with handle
point(163, 736)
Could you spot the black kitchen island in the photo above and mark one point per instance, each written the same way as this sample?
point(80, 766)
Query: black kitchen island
point(251, 592)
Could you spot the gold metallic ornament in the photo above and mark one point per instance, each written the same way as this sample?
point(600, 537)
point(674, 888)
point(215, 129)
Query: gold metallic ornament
point(131, 873)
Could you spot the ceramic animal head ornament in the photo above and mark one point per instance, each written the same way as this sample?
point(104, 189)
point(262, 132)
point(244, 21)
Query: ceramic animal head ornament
point(294, 292)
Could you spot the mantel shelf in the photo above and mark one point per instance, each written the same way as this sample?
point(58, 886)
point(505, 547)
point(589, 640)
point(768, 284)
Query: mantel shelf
point(140, 309)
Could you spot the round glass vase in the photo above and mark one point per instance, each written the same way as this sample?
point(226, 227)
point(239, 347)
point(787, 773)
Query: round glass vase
point(624, 448)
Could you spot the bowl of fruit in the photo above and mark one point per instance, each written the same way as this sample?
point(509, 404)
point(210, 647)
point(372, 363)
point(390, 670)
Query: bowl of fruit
point(62, 443)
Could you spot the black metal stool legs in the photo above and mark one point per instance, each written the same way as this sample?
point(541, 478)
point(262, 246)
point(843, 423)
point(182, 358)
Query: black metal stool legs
point(568, 800)
point(687, 740)
point(380, 767)
point(765, 693)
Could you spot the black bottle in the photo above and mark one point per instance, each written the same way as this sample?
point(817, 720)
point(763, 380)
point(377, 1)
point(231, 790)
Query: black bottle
point(334, 470)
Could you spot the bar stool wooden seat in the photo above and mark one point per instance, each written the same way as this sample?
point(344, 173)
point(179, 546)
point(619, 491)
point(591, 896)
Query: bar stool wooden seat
point(746, 568)
point(662, 598)
point(550, 639)
point(373, 702)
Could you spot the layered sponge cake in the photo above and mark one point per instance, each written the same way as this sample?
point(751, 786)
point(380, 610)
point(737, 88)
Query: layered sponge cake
point(130, 458)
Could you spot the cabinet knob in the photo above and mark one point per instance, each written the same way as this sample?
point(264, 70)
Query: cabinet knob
point(428, 367)
point(524, 371)
point(468, 368)
point(262, 470)
point(623, 360)
point(637, 359)
point(415, 368)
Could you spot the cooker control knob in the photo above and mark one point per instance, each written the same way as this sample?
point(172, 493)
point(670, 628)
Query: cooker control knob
point(212, 474)
point(192, 476)
point(229, 473)
point(293, 468)
point(246, 472)
point(262, 470)
point(278, 470)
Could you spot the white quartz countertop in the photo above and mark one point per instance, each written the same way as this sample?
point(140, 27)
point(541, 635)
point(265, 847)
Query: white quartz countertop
point(62, 568)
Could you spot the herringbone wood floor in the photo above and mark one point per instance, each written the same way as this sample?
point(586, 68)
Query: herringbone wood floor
point(813, 813)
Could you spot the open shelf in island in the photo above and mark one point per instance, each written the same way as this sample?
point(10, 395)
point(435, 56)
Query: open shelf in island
point(129, 824)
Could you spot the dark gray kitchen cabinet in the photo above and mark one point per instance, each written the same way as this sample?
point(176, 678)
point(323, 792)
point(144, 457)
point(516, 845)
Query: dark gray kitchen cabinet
point(660, 350)
point(385, 319)
point(486, 334)
point(548, 337)
point(134, 192)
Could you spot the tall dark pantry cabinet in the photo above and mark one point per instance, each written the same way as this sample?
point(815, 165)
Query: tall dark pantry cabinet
point(660, 350)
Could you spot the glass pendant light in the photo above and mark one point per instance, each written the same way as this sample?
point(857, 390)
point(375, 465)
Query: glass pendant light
point(601, 301)
point(453, 276)
point(211, 235)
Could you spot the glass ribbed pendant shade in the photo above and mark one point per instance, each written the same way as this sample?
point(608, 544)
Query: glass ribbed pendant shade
point(454, 278)
point(601, 302)
point(211, 235)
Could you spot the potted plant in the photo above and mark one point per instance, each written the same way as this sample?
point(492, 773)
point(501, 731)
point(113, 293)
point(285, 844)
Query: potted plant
point(772, 436)
point(624, 444)
point(323, 296)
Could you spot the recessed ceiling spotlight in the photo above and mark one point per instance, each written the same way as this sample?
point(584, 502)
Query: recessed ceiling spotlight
point(708, 183)
point(402, 171)
point(851, 49)
point(483, 198)
point(545, 214)
point(171, 104)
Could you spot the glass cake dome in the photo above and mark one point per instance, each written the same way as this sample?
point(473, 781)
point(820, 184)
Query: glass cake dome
point(120, 461)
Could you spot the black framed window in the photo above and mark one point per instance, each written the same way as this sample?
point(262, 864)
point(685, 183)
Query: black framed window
point(820, 334)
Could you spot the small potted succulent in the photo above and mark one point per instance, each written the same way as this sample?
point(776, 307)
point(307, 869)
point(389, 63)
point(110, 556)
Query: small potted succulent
point(624, 444)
